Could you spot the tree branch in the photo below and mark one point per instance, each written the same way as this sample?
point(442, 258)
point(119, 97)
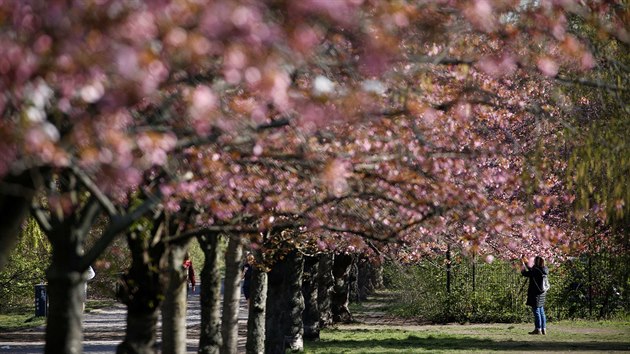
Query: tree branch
point(589, 83)
point(90, 211)
point(237, 229)
point(273, 124)
point(361, 233)
point(94, 190)
point(42, 219)
point(118, 224)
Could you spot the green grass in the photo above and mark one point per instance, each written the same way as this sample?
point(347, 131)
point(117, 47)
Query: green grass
point(18, 321)
point(564, 336)
point(99, 304)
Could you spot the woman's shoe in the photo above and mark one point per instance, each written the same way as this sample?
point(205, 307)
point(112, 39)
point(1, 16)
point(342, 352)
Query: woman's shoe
point(544, 331)
point(536, 331)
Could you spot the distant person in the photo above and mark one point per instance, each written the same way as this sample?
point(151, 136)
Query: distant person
point(190, 272)
point(247, 279)
point(90, 274)
point(535, 293)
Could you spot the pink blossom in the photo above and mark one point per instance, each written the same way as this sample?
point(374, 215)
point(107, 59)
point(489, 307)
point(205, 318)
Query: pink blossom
point(548, 66)
point(587, 61)
point(258, 150)
point(503, 65)
point(335, 176)
point(127, 62)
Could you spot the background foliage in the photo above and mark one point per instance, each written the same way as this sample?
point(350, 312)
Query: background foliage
point(26, 267)
point(593, 286)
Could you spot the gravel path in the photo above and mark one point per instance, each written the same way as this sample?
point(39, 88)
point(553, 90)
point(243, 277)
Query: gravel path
point(104, 329)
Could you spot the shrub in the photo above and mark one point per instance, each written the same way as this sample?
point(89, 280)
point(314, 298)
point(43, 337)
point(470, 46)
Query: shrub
point(584, 287)
point(26, 267)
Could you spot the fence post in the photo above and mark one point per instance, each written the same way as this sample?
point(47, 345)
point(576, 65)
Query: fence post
point(474, 275)
point(448, 269)
point(590, 287)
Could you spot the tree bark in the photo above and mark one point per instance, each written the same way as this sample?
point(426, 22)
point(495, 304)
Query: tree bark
point(140, 335)
point(284, 326)
point(310, 317)
point(231, 295)
point(325, 284)
point(64, 330)
point(174, 305)
point(353, 281)
point(377, 275)
point(210, 296)
point(257, 309)
point(15, 205)
point(365, 285)
point(142, 290)
point(341, 291)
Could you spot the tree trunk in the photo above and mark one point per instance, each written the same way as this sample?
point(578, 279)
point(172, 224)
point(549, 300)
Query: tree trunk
point(353, 281)
point(256, 317)
point(231, 295)
point(140, 333)
point(15, 208)
point(325, 283)
point(64, 330)
point(310, 316)
point(365, 283)
point(341, 290)
point(142, 290)
point(174, 305)
point(210, 296)
point(376, 275)
point(284, 326)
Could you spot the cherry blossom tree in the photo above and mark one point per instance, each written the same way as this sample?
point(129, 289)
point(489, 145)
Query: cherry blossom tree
point(369, 126)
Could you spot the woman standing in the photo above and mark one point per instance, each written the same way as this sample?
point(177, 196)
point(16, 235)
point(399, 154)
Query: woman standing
point(190, 272)
point(535, 293)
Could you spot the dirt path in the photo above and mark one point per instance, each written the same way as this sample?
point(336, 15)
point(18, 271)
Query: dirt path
point(104, 329)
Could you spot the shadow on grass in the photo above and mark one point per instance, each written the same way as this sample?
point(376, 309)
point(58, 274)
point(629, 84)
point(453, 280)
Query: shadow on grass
point(465, 344)
point(379, 301)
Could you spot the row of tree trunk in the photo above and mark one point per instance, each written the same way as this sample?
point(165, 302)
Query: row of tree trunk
point(290, 303)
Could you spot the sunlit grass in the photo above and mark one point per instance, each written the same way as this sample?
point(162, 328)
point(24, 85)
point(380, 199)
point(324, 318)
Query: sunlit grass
point(563, 336)
point(17, 321)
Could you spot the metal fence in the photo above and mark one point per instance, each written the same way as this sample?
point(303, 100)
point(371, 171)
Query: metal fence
point(467, 289)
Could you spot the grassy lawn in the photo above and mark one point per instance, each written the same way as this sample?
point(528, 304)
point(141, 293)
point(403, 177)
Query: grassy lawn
point(581, 336)
point(17, 321)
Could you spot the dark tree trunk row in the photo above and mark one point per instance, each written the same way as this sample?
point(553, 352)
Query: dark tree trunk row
point(353, 280)
point(257, 310)
point(15, 203)
point(142, 290)
point(340, 297)
point(309, 291)
point(284, 328)
point(210, 296)
point(325, 284)
point(231, 295)
point(175, 304)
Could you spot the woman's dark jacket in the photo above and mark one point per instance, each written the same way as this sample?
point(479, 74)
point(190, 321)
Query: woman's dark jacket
point(535, 294)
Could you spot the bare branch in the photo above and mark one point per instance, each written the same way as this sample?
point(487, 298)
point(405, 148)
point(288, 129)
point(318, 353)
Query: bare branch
point(589, 83)
point(42, 219)
point(235, 229)
point(274, 124)
point(94, 190)
point(90, 211)
point(361, 233)
point(118, 224)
